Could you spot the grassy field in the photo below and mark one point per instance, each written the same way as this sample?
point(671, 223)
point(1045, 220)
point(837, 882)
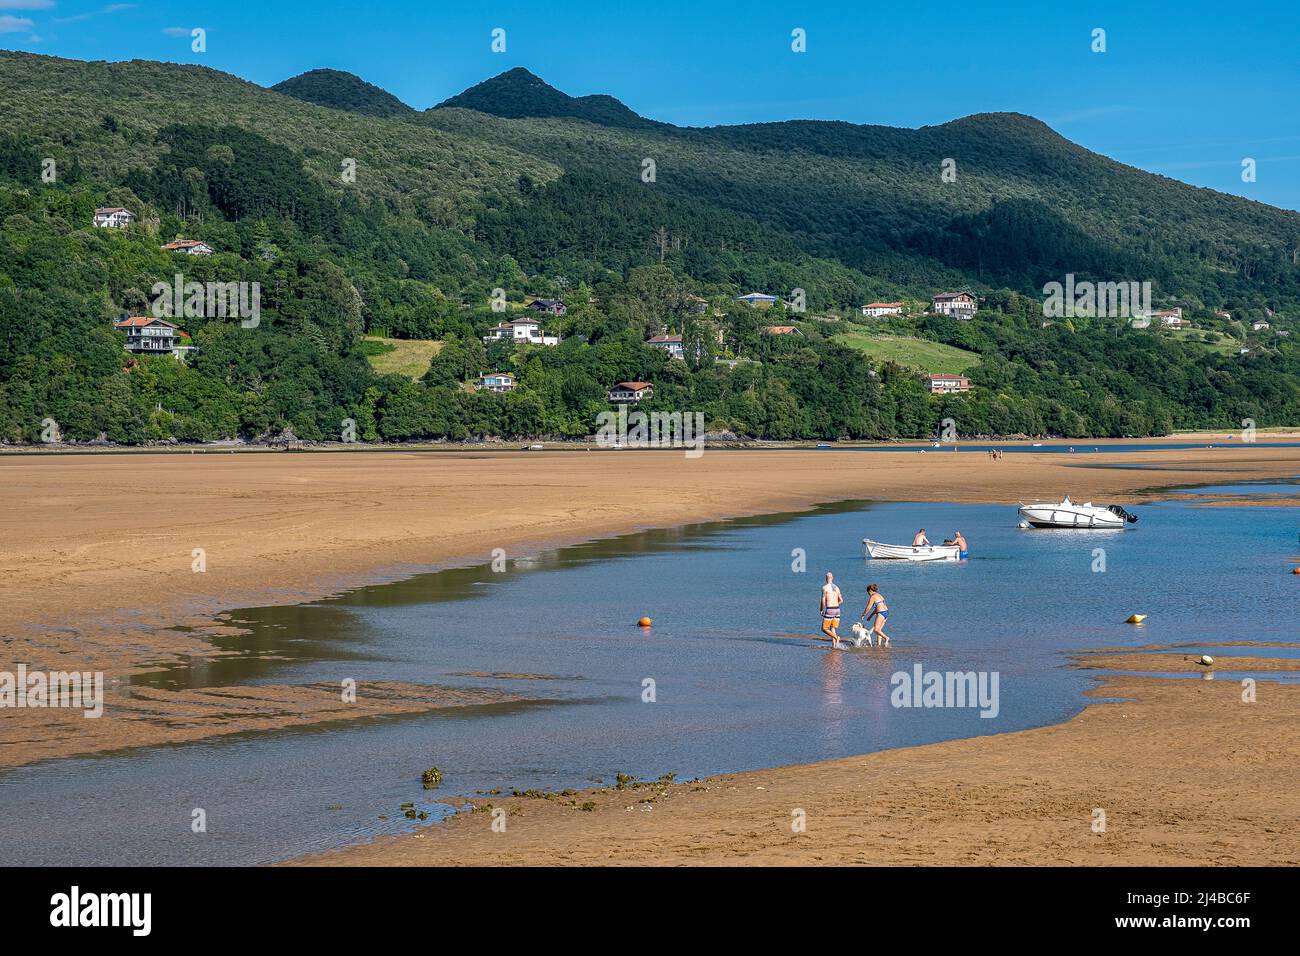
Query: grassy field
point(409, 357)
point(914, 353)
point(1226, 345)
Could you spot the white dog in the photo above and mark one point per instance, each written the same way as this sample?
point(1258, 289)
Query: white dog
point(860, 635)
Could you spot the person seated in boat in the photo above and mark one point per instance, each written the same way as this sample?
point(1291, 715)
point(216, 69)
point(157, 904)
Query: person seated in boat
point(832, 599)
point(877, 608)
point(920, 541)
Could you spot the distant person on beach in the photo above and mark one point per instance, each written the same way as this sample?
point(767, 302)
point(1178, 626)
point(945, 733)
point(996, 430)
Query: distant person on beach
point(832, 600)
point(877, 608)
point(920, 541)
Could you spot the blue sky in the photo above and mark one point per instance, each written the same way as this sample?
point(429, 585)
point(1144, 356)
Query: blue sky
point(1184, 89)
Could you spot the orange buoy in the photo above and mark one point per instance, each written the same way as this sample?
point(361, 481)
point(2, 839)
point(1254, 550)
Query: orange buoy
point(644, 622)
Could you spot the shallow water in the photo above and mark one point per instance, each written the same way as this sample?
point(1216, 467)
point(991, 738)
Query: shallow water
point(738, 682)
point(1064, 448)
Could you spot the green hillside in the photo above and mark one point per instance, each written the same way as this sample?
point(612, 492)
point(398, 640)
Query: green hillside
point(357, 218)
point(912, 352)
point(342, 91)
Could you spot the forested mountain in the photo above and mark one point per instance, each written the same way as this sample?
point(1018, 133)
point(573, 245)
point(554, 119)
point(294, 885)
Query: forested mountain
point(518, 93)
point(342, 91)
point(354, 216)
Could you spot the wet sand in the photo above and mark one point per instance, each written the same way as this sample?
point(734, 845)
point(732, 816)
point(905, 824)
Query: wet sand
point(1183, 772)
point(99, 557)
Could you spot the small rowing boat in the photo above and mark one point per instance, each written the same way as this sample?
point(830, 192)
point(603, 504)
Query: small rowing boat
point(906, 552)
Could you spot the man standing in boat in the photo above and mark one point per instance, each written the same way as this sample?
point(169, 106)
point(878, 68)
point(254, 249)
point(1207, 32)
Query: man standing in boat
point(832, 599)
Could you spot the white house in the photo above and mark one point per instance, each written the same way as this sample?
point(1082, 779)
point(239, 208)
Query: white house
point(672, 344)
point(958, 305)
point(1171, 318)
point(521, 330)
point(941, 384)
point(113, 217)
point(191, 247)
point(496, 382)
point(875, 309)
point(630, 391)
point(1260, 324)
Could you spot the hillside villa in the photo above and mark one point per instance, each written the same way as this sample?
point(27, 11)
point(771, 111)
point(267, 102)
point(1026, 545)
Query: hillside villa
point(941, 384)
point(760, 299)
point(630, 392)
point(550, 306)
point(521, 330)
point(1260, 325)
point(1171, 318)
point(113, 217)
point(876, 309)
point(496, 382)
point(672, 344)
point(191, 247)
point(146, 335)
point(958, 305)
point(696, 304)
point(782, 330)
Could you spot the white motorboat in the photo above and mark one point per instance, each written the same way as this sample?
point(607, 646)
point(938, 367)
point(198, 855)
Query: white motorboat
point(1067, 514)
point(906, 552)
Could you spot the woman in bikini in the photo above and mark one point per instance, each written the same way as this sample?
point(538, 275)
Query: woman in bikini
point(877, 608)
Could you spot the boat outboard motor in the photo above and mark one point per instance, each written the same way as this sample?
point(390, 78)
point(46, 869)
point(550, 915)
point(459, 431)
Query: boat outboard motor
point(1117, 510)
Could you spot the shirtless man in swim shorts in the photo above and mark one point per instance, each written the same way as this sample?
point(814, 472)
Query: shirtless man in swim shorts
point(831, 601)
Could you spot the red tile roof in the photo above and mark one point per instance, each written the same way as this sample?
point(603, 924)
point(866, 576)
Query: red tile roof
point(140, 321)
point(633, 386)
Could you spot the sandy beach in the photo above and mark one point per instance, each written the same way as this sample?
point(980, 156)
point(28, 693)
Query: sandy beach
point(1183, 771)
point(101, 567)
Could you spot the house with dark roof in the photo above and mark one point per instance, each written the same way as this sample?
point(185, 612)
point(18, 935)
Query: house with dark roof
point(551, 306)
point(958, 305)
